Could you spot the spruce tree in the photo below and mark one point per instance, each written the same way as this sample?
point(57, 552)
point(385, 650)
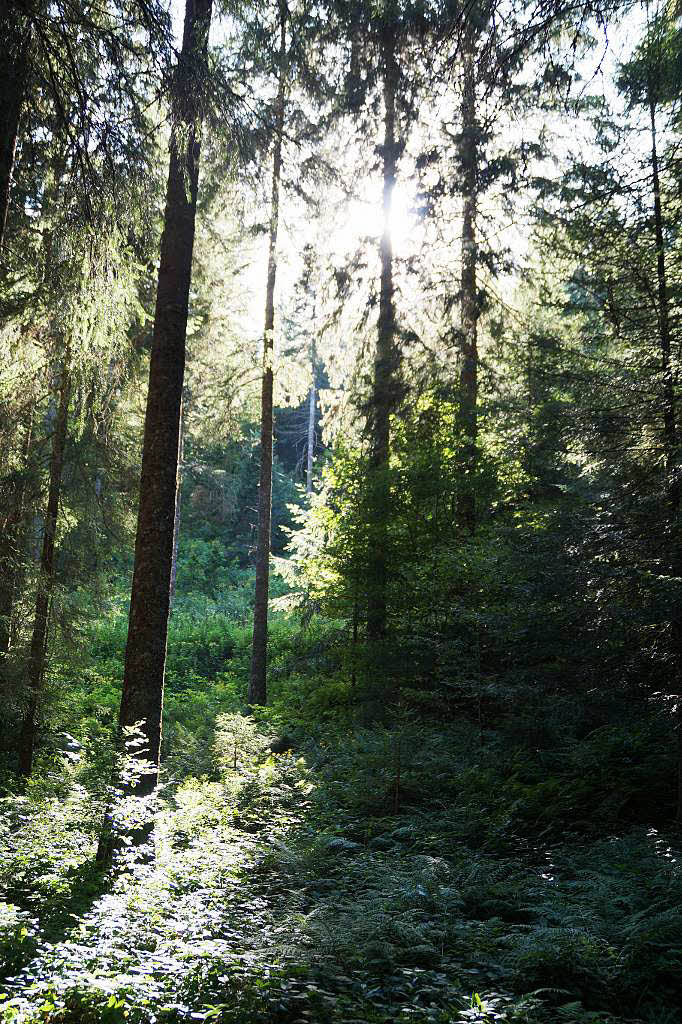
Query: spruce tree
point(385, 64)
point(143, 680)
point(46, 572)
point(651, 79)
point(257, 692)
point(83, 72)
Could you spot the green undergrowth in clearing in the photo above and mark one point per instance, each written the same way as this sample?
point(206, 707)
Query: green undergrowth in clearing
point(372, 875)
point(209, 652)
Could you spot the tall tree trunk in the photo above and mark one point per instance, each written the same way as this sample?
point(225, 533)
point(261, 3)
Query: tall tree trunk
point(38, 649)
point(468, 415)
point(669, 423)
point(145, 658)
point(669, 410)
point(312, 406)
point(354, 636)
point(257, 693)
point(178, 510)
point(10, 544)
point(385, 364)
point(13, 78)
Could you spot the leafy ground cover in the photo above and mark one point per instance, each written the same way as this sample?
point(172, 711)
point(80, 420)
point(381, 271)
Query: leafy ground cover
point(311, 886)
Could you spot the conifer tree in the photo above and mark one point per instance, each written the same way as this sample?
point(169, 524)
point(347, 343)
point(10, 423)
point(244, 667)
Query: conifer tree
point(72, 318)
point(383, 63)
point(289, 46)
point(468, 402)
point(614, 221)
point(13, 72)
point(46, 572)
point(14, 503)
point(651, 79)
point(257, 693)
point(385, 360)
point(143, 681)
point(312, 410)
point(86, 70)
point(482, 69)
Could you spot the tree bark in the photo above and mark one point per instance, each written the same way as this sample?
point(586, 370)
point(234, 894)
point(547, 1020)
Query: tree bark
point(38, 649)
point(468, 413)
point(178, 511)
point(10, 545)
point(669, 423)
point(669, 398)
point(385, 364)
point(257, 692)
point(13, 79)
point(145, 658)
point(312, 405)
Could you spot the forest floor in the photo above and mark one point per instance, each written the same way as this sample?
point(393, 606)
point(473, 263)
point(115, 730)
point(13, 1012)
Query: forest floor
point(339, 892)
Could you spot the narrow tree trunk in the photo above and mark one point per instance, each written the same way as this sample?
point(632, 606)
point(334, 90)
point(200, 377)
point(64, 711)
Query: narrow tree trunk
point(101, 429)
point(669, 424)
point(468, 415)
point(257, 693)
point(13, 78)
point(669, 411)
point(10, 544)
point(385, 366)
point(312, 405)
point(145, 658)
point(38, 649)
point(354, 641)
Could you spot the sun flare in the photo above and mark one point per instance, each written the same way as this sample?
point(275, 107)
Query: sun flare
point(362, 219)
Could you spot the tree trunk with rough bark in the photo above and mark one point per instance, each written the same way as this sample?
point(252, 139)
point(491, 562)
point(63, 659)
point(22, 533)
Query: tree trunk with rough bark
point(10, 547)
point(468, 413)
point(669, 422)
point(16, 36)
point(178, 511)
point(257, 692)
point(312, 406)
point(38, 649)
point(385, 365)
point(145, 658)
point(669, 398)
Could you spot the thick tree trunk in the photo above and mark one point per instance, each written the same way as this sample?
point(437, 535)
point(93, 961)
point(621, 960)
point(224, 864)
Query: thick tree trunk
point(257, 693)
point(468, 415)
point(385, 366)
point(312, 406)
point(145, 658)
point(37, 653)
point(13, 77)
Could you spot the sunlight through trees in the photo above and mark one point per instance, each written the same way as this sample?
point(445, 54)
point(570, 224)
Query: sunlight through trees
point(340, 540)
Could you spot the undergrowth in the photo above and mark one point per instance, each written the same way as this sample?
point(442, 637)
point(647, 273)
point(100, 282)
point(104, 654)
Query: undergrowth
point(371, 875)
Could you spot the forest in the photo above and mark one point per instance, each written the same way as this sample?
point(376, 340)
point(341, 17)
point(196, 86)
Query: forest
point(340, 526)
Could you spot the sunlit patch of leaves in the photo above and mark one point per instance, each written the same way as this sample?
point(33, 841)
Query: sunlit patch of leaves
point(280, 894)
